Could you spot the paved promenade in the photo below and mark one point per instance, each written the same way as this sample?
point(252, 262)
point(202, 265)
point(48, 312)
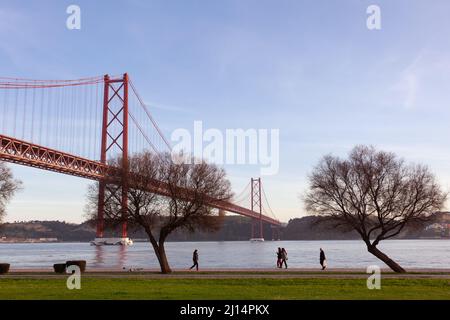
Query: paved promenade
point(231, 273)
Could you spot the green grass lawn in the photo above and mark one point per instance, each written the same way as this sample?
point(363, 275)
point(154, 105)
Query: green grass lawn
point(244, 288)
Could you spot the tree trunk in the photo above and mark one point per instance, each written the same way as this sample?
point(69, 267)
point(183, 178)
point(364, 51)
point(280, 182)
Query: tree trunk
point(160, 252)
point(162, 257)
point(383, 257)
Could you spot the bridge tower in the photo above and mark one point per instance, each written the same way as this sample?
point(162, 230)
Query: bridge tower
point(114, 142)
point(275, 232)
point(256, 206)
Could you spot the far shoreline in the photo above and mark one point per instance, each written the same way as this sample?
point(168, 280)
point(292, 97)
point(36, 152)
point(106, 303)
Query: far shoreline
point(215, 241)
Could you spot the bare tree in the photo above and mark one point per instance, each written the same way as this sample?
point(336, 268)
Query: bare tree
point(375, 193)
point(164, 196)
point(8, 187)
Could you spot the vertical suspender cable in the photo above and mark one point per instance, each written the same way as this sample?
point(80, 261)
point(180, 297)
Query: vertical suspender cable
point(41, 116)
point(33, 110)
point(6, 110)
point(49, 117)
point(60, 117)
point(90, 123)
point(97, 140)
point(84, 120)
point(24, 115)
point(15, 112)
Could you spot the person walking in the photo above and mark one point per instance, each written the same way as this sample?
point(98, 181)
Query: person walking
point(279, 258)
point(284, 258)
point(323, 260)
point(195, 260)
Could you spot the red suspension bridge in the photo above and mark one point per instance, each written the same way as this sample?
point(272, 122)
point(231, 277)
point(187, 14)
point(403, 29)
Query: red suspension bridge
point(73, 126)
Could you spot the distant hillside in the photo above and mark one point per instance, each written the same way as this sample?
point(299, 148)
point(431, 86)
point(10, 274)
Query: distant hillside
point(47, 229)
point(315, 228)
point(234, 228)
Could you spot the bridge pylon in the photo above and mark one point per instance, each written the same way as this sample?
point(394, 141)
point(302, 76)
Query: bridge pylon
point(114, 142)
point(256, 206)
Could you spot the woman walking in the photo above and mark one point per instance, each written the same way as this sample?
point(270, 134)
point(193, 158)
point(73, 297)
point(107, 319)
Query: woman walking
point(195, 260)
point(284, 258)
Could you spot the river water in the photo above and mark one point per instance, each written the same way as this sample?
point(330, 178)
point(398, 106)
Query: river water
point(229, 254)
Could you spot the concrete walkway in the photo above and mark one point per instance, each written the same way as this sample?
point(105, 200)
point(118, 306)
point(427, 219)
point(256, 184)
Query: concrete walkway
point(231, 273)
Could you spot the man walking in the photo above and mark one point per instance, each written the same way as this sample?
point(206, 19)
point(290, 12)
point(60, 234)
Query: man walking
point(195, 260)
point(323, 260)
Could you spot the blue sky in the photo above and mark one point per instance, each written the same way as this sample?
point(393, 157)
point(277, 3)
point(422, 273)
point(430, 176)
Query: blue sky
point(309, 68)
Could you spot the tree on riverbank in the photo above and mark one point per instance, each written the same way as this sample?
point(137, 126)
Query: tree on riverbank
point(185, 205)
point(8, 187)
point(374, 193)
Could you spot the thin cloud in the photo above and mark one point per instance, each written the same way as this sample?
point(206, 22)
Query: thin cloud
point(422, 83)
point(408, 85)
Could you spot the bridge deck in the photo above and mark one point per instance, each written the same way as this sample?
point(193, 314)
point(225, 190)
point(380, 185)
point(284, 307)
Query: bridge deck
point(33, 155)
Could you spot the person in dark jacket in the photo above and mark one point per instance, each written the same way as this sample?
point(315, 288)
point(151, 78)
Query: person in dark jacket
point(195, 260)
point(323, 260)
point(279, 259)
